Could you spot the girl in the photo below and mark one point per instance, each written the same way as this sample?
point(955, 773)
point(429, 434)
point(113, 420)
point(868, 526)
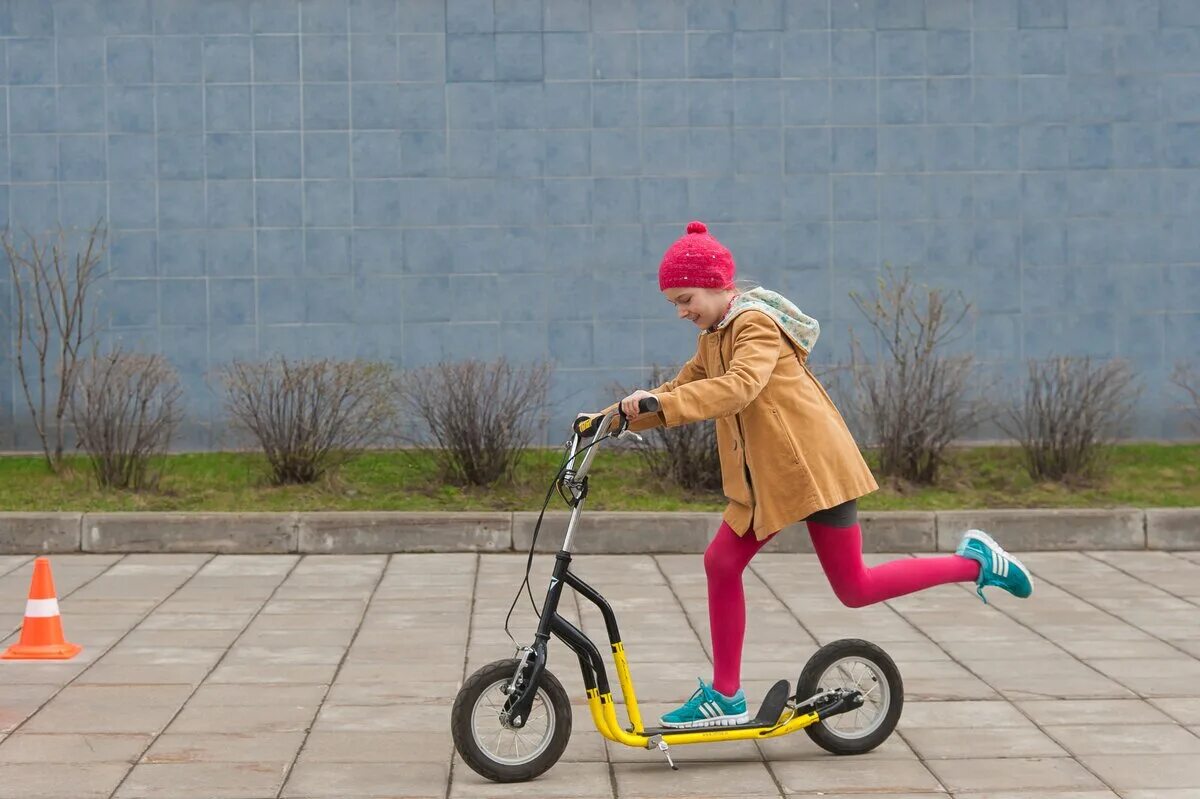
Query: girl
point(786, 454)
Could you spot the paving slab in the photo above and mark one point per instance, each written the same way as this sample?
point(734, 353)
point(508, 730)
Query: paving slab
point(1145, 772)
point(817, 775)
point(317, 676)
point(947, 744)
point(224, 747)
point(1104, 794)
point(31, 747)
point(82, 780)
point(1032, 774)
point(202, 780)
point(378, 779)
point(699, 778)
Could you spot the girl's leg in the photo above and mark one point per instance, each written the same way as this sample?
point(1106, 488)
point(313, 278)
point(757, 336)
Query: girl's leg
point(837, 540)
point(724, 561)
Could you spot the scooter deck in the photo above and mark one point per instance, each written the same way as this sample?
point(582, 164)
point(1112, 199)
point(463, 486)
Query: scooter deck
point(768, 715)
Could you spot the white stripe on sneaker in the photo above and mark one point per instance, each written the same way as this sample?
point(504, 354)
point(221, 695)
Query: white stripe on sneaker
point(990, 543)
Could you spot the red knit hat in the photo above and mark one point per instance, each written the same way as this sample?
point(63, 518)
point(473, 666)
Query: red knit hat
point(696, 259)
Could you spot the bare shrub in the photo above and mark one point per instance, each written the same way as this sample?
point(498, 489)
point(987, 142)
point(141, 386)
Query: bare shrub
point(311, 416)
point(685, 456)
point(1072, 407)
point(912, 397)
point(125, 410)
point(54, 323)
point(1187, 379)
point(479, 415)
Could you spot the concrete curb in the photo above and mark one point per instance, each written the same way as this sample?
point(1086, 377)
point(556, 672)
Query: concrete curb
point(1067, 528)
point(374, 532)
point(600, 532)
point(224, 533)
point(1173, 528)
point(40, 533)
point(610, 532)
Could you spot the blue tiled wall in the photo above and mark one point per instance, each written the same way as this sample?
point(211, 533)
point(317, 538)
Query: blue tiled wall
point(425, 179)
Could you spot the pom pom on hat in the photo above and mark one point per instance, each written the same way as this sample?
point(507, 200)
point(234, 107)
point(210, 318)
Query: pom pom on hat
point(696, 259)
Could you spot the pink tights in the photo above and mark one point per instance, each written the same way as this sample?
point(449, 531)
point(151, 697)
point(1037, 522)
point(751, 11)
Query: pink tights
point(839, 549)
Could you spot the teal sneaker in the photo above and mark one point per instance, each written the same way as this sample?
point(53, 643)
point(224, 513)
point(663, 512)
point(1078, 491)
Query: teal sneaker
point(996, 567)
point(709, 708)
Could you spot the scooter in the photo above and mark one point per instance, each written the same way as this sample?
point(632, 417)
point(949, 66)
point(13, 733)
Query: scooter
point(512, 719)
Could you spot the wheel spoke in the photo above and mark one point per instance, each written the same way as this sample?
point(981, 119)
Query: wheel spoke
point(858, 680)
point(511, 746)
point(856, 675)
point(845, 674)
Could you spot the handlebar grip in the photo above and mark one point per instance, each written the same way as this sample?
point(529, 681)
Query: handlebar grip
point(584, 424)
point(649, 405)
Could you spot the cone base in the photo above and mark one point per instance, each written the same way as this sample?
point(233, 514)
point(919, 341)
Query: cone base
point(63, 651)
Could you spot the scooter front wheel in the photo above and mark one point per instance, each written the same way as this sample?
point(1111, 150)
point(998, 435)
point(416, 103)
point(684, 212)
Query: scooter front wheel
point(496, 750)
point(854, 665)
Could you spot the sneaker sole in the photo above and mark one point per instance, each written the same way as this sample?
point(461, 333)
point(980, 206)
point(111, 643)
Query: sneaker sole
point(980, 535)
point(717, 721)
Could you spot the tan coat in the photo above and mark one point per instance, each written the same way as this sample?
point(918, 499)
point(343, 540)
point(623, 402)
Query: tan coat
point(785, 450)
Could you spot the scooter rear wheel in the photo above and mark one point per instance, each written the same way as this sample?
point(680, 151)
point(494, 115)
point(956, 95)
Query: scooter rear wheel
point(500, 752)
point(862, 666)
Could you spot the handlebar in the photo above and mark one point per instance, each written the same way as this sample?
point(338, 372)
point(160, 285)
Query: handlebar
point(584, 424)
point(649, 405)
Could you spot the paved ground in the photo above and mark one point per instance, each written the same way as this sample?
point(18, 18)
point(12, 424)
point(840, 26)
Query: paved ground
point(332, 677)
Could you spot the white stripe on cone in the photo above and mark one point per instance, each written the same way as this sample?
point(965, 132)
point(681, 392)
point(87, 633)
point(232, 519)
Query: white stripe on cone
point(41, 608)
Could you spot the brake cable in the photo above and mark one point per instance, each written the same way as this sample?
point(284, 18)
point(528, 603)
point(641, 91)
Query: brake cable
point(537, 529)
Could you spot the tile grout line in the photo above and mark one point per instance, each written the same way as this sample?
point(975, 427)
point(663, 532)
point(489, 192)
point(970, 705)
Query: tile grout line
point(1141, 579)
point(1158, 638)
point(925, 761)
point(64, 597)
point(135, 761)
point(793, 614)
point(18, 565)
point(1107, 612)
point(671, 587)
point(287, 772)
point(111, 646)
point(608, 762)
point(1073, 756)
point(1175, 555)
point(682, 608)
point(795, 688)
point(466, 659)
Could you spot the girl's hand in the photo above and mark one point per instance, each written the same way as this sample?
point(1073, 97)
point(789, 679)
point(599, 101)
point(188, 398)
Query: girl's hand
point(630, 404)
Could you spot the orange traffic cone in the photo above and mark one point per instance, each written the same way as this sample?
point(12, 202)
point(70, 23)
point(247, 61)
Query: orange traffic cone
point(42, 633)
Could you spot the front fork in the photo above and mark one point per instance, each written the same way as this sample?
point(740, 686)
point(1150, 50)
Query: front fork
point(524, 685)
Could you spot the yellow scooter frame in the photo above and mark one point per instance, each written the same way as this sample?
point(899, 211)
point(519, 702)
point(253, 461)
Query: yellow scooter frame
point(604, 716)
point(781, 713)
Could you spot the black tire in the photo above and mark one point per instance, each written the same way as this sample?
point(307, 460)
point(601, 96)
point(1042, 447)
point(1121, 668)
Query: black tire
point(484, 763)
point(827, 737)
